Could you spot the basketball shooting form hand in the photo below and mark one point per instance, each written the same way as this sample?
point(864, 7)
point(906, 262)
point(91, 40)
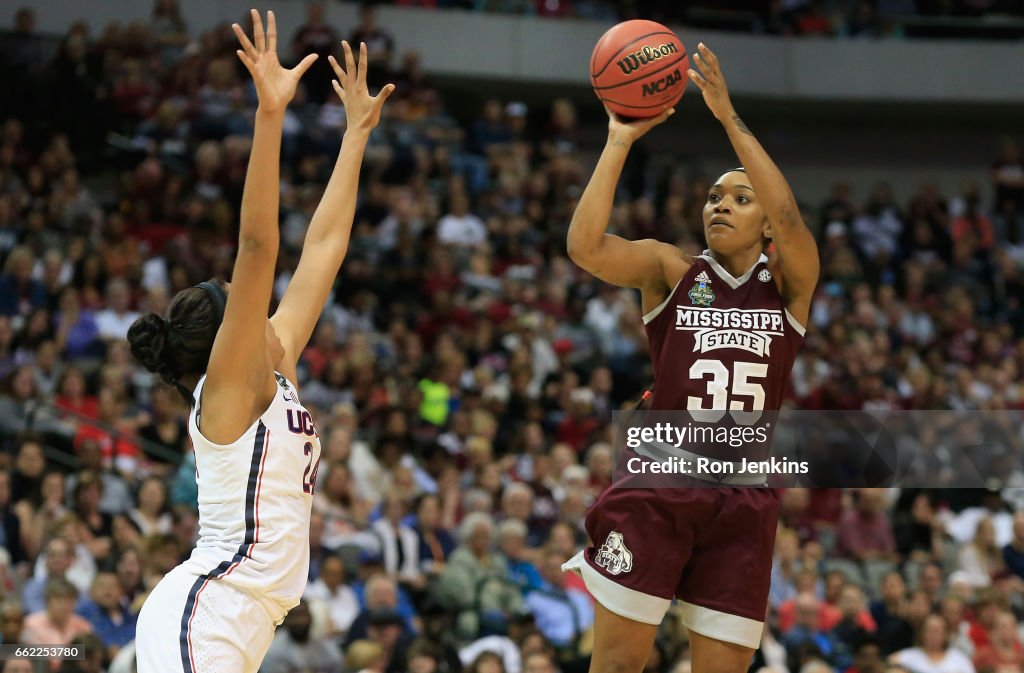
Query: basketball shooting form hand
point(362, 110)
point(628, 132)
point(275, 84)
point(711, 83)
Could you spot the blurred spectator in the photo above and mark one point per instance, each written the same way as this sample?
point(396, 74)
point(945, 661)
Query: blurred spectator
point(379, 45)
point(1008, 175)
point(57, 624)
point(461, 227)
point(316, 36)
point(152, 515)
point(933, 655)
point(511, 536)
point(58, 561)
point(900, 633)
point(113, 322)
point(110, 620)
point(435, 543)
point(399, 545)
point(806, 632)
point(1004, 651)
point(563, 613)
point(12, 622)
point(476, 577)
point(865, 532)
point(981, 559)
point(294, 648)
point(330, 594)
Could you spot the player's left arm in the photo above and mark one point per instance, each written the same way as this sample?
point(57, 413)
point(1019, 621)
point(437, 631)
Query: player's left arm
point(795, 262)
point(328, 235)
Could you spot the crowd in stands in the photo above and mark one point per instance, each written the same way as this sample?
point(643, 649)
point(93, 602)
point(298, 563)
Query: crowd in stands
point(463, 375)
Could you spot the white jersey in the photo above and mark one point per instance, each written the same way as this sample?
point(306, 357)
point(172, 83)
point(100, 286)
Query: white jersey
point(255, 498)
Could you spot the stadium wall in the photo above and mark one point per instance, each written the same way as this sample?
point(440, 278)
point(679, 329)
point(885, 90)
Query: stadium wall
point(556, 51)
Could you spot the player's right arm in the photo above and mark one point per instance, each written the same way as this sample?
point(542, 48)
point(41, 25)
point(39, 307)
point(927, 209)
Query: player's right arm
point(239, 368)
point(646, 264)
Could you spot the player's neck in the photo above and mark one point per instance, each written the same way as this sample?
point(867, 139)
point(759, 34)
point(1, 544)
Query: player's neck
point(737, 263)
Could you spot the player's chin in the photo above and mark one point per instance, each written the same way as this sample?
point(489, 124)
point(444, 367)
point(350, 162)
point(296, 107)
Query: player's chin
point(719, 232)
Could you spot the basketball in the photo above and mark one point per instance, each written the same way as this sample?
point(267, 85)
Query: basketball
point(638, 68)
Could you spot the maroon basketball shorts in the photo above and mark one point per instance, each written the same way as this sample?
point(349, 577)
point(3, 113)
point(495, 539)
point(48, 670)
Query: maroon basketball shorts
point(710, 547)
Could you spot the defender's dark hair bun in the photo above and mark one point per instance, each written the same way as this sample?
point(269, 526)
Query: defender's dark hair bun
point(148, 339)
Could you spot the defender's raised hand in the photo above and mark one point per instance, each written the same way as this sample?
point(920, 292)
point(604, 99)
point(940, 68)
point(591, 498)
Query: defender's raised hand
point(361, 109)
point(275, 84)
point(712, 83)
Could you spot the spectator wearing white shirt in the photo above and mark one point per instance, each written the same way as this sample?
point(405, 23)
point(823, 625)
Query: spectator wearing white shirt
point(399, 545)
point(460, 227)
point(934, 655)
point(330, 596)
point(113, 322)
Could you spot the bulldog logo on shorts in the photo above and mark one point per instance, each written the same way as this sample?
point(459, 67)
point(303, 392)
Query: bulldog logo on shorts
point(614, 556)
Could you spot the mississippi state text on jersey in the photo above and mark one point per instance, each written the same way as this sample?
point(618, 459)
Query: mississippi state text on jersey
point(722, 345)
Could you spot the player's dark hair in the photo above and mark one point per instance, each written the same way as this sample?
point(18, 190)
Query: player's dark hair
point(180, 344)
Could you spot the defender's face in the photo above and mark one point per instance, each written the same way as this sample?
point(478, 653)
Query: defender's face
point(733, 218)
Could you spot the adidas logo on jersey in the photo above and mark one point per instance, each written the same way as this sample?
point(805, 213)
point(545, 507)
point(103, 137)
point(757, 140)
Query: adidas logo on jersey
point(700, 294)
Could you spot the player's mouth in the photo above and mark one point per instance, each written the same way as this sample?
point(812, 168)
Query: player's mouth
point(720, 223)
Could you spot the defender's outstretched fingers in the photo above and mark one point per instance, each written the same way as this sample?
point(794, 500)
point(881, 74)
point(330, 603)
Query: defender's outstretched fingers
point(246, 60)
point(259, 38)
point(271, 32)
point(350, 63)
point(361, 66)
point(384, 94)
point(697, 79)
point(243, 39)
point(336, 67)
point(338, 89)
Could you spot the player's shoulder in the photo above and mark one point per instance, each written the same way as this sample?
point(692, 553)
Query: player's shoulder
point(674, 262)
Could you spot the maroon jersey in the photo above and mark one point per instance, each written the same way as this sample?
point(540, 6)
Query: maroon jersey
point(721, 346)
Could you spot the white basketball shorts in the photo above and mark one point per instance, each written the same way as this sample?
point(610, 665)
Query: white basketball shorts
point(194, 624)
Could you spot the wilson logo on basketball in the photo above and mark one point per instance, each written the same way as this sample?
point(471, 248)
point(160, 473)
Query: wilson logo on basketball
point(644, 56)
point(659, 85)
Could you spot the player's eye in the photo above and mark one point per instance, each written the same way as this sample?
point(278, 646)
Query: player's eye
point(713, 198)
point(742, 199)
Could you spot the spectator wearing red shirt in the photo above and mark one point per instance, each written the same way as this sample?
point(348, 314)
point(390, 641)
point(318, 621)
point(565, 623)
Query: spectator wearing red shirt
point(114, 434)
point(983, 620)
point(580, 422)
point(322, 350)
point(71, 395)
point(865, 532)
point(1004, 651)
